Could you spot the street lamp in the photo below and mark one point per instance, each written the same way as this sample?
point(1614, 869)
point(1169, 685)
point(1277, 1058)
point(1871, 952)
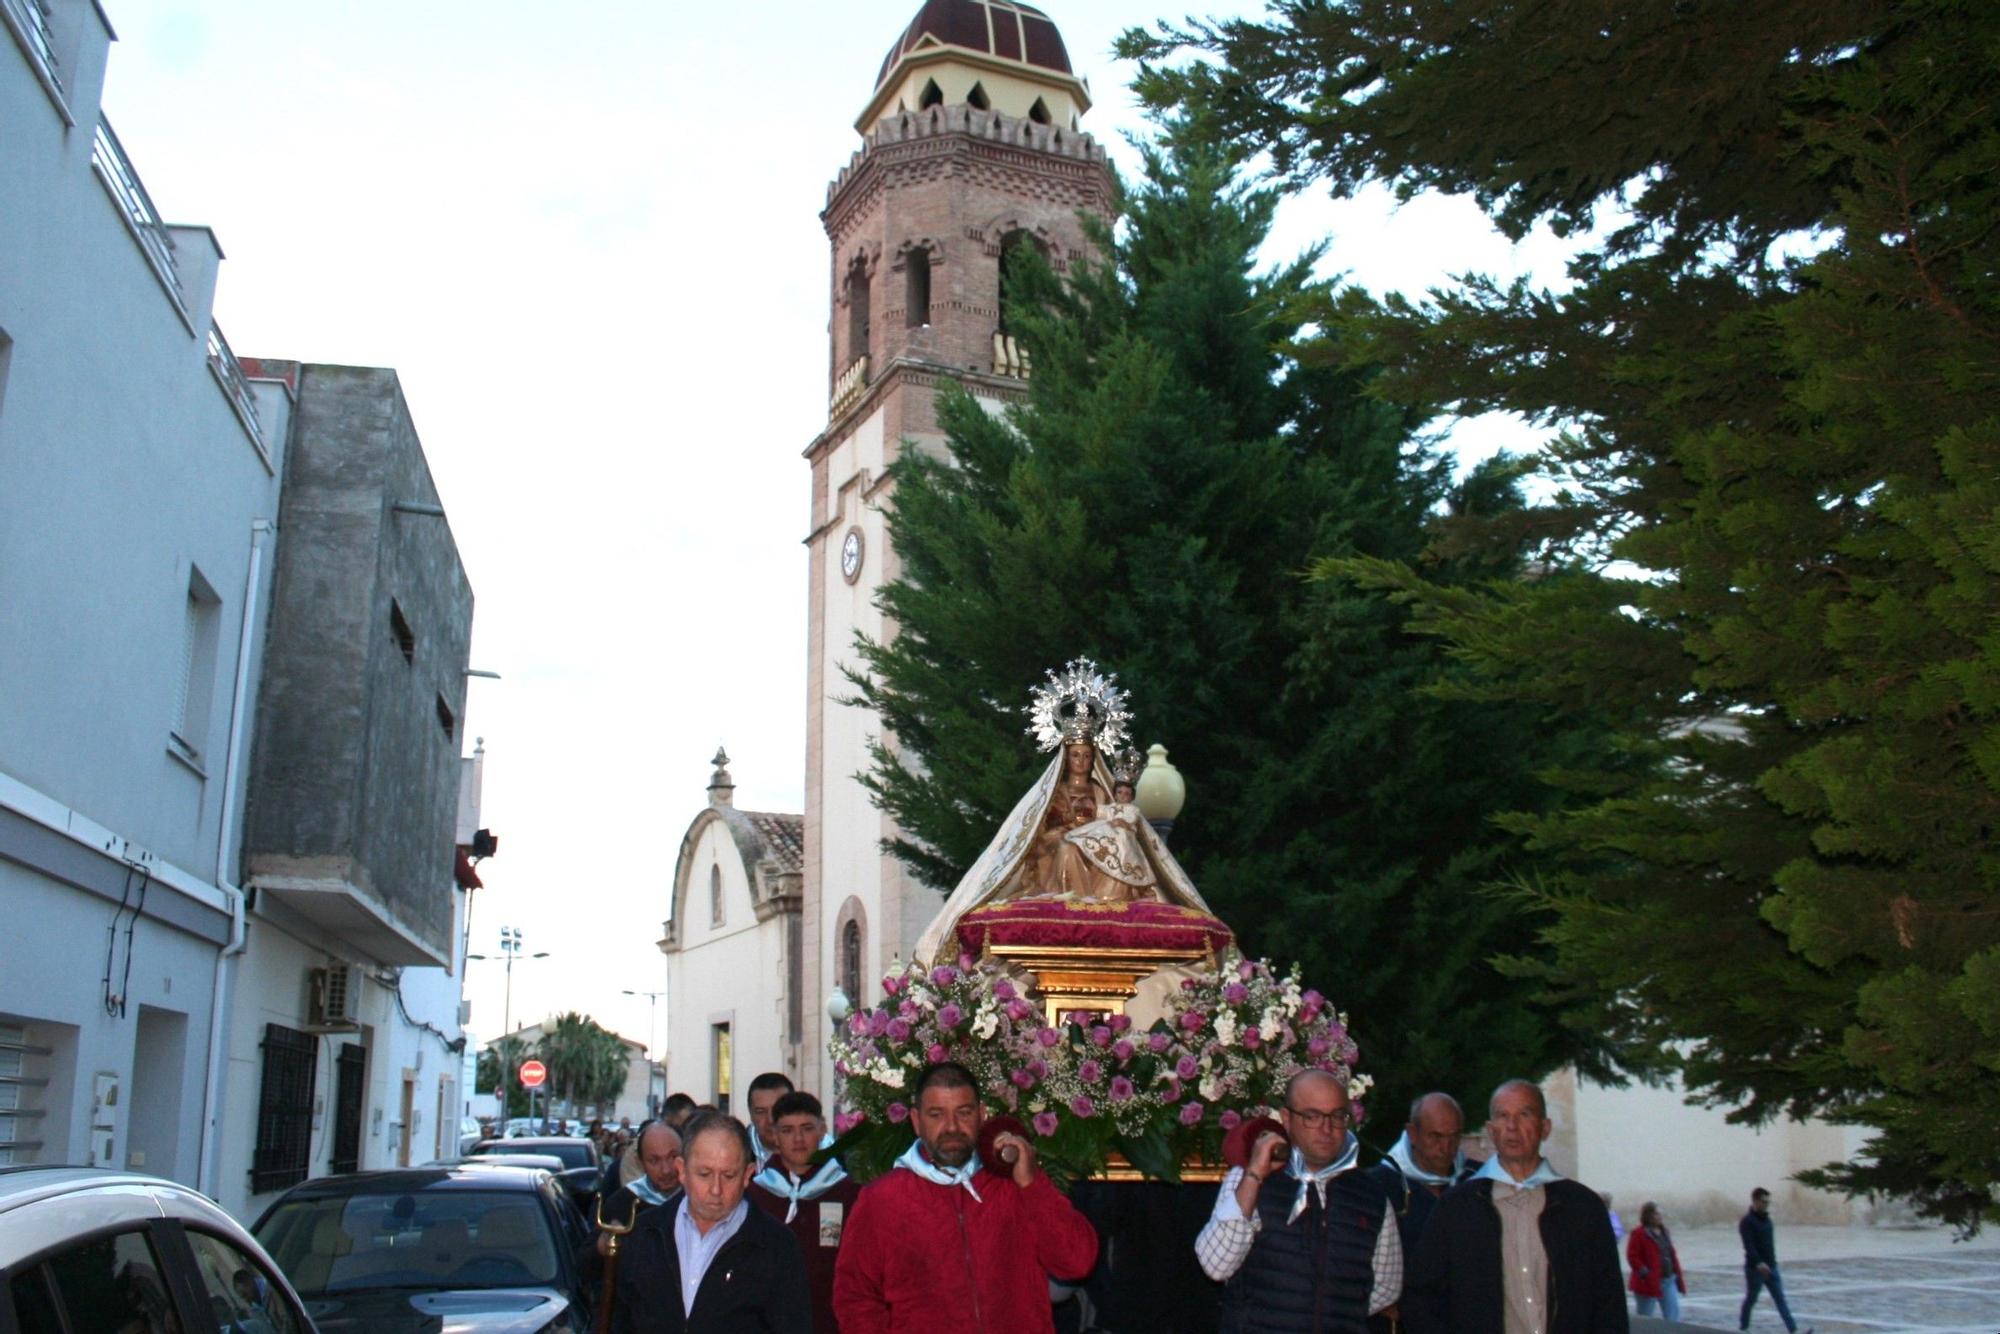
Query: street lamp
point(1161, 791)
point(510, 949)
point(837, 1009)
point(652, 1022)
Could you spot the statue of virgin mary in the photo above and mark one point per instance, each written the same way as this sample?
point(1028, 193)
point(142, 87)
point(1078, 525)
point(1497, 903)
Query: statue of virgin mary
point(1076, 837)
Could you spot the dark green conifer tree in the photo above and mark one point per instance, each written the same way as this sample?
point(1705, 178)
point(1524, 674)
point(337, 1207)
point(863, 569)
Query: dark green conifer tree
point(1768, 528)
point(1154, 506)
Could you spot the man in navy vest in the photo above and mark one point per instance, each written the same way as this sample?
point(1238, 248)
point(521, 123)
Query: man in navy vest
point(1420, 1167)
point(1301, 1240)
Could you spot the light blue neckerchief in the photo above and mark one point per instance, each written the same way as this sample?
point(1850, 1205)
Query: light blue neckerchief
point(1316, 1181)
point(778, 1179)
point(913, 1159)
point(1399, 1154)
point(645, 1190)
point(1541, 1176)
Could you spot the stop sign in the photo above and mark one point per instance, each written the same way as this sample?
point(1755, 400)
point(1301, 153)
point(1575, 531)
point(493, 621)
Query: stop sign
point(533, 1074)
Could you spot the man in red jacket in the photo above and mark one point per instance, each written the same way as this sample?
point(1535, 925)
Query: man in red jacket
point(944, 1243)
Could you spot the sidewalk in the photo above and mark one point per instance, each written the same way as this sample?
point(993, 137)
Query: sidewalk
point(1851, 1280)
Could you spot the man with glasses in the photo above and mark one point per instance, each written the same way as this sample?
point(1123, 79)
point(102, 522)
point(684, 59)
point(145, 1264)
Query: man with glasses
point(1518, 1249)
point(1300, 1240)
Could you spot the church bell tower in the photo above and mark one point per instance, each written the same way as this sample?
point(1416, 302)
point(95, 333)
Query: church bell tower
point(971, 148)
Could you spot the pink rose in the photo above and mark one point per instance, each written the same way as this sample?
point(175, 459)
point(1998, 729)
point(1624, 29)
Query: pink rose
point(1101, 1035)
point(936, 1053)
point(1231, 1119)
point(1023, 1079)
point(944, 975)
point(846, 1121)
point(1173, 1093)
point(1083, 1106)
point(1192, 1020)
point(1122, 1049)
point(1187, 1067)
point(1191, 1114)
point(1017, 1010)
point(1236, 993)
point(898, 1113)
point(857, 1024)
point(1246, 970)
point(898, 1030)
point(1252, 1038)
point(1090, 1072)
point(948, 1017)
point(1003, 989)
point(1120, 1022)
point(892, 985)
point(1047, 1037)
point(878, 1022)
point(1039, 1068)
point(1159, 1042)
point(1045, 1124)
point(1121, 1089)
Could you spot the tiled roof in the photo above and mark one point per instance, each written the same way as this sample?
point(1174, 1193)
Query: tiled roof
point(1003, 28)
point(784, 837)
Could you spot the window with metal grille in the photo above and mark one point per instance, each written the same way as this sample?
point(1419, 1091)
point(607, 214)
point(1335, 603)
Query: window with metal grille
point(23, 1078)
point(284, 1109)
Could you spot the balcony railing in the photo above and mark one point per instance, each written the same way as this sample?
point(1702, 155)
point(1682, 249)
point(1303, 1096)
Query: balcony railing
point(849, 386)
point(1009, 357)
point(30, 21)
point(228, 373)
point(115, 170)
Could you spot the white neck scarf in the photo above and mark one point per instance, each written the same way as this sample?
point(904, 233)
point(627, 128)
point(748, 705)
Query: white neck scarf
point(1310, 1181)
point(913, 1159)
point(1541, 1176)
point(1399, 1154)
point(778, 1179)
point(645, 1190)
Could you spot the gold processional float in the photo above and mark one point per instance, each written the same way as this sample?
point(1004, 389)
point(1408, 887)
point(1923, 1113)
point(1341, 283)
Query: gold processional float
point(1078, 973)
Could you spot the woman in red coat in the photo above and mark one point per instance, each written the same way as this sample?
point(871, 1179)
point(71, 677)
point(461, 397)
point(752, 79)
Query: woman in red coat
point(1656, 1269)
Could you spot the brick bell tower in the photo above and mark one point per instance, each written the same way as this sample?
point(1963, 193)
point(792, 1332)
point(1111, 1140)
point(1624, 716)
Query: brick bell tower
point(971, 149)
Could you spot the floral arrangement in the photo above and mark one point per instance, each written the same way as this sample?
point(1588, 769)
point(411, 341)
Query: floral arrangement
point(1092, 1085)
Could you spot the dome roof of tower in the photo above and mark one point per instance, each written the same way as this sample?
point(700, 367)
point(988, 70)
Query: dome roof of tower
point(1003, 28)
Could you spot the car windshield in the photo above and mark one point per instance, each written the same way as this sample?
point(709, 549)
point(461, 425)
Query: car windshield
point(573, 1152)
point(417, 1239)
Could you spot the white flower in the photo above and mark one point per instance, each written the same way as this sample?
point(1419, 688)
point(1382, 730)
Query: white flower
point(887, 1074)
point(1211, 1087)
point(986, 1025)
point(1225, 1028)
point(1270, 1021)
point(1358, 1085)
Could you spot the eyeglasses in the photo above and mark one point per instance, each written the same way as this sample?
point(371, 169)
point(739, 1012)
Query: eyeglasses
point(1339, 1118)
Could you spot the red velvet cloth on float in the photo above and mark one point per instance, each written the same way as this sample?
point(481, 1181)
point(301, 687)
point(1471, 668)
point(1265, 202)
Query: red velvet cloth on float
point(1185, 932)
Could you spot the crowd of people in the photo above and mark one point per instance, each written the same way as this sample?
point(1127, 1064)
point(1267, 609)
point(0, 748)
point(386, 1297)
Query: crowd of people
point(723, 1226)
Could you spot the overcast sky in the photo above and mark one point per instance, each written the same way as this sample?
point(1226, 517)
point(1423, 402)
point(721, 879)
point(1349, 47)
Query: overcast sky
point(587, 238)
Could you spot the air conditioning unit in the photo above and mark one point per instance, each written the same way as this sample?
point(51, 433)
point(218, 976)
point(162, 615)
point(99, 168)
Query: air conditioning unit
point(330, 998)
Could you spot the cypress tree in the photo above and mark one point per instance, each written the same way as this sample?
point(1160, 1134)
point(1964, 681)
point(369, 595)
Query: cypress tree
point(1765, 527)
point(1189, 447)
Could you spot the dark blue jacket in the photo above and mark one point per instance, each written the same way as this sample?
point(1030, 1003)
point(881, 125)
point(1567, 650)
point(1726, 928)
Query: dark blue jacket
point(1454, 1285)
point(1311, 1276)
point(1760, 1240)
point(1412, 1201)
point(755, 1285)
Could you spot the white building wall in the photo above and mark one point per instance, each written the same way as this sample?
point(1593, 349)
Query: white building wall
point(128, 477)
point(729, 974)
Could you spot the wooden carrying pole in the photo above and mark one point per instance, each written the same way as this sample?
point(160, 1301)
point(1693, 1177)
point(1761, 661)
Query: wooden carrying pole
point(614, 1233)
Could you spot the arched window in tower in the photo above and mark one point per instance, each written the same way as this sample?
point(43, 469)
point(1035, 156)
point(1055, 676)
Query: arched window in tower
point(979, 98)
point(1015, 247)
point(850, 962)
point(917, 288)
point(715, 917)
point(932, 96)
point(857, 311)
point(1039, 112)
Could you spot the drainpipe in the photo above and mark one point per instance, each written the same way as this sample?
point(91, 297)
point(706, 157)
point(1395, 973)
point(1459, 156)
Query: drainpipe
point(225, 959)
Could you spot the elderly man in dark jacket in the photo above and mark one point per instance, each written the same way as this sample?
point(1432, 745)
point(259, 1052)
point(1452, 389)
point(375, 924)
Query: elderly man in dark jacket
point(1517, 1249)
point(711, 1264)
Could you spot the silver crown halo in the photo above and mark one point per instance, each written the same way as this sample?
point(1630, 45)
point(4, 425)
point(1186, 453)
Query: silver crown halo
point(1126, 767)
point(1080, 703)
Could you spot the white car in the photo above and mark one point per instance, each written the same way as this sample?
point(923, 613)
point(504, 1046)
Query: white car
point(85, 1248)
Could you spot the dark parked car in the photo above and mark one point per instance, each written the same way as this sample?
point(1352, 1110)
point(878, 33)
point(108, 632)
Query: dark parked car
point(84, 1248)
point(581, 1166)
point(483, 1250)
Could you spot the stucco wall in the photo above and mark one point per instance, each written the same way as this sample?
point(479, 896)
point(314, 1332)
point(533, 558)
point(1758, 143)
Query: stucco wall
point(729, 974)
